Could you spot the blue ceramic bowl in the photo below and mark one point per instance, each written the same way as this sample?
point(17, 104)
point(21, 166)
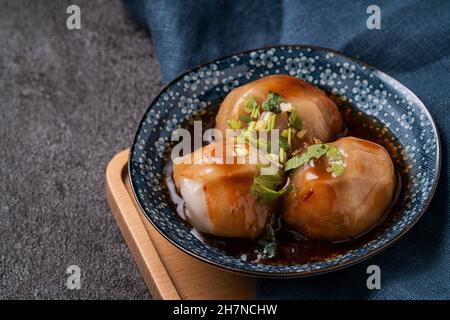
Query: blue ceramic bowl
point(400, 117)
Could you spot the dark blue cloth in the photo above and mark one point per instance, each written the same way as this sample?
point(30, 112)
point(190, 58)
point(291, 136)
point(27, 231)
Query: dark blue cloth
point(413, 45)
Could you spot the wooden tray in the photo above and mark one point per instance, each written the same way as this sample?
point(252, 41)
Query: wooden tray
point(168, 272)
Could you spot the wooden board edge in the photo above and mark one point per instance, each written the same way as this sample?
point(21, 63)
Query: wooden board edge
point(134, 232)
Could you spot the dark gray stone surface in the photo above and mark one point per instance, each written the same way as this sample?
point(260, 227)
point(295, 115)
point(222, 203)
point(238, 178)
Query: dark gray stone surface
point(69, 100)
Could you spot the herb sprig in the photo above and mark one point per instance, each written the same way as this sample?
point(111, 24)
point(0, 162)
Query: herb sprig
point(264, 188)
point(316, 151)
point(268, 241)
point(272, 102)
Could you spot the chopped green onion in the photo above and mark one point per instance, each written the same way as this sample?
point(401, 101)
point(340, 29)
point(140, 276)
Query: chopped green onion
point(255, 113)
point(269, 242)
point(291, 134)
point(272, 121)
point(234, 124)
point(250, 105)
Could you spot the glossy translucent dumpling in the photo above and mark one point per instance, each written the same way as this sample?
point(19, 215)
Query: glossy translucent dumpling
point(332, 208)
point(320, 115)
point(217, 197)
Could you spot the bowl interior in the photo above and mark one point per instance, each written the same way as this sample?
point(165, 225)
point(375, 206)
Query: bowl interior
point(400, 119)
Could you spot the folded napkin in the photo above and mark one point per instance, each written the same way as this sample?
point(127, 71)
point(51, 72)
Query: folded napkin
point(413, 45)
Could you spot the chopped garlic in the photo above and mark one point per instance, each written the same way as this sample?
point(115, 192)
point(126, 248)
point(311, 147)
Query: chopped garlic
point(286, 107)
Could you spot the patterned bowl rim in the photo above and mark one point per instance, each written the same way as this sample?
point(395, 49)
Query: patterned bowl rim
point(294, 274)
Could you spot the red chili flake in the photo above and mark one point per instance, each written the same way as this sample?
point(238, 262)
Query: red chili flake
point(308, 194)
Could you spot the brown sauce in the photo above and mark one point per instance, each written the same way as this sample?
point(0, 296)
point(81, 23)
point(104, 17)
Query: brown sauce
point(292, 247)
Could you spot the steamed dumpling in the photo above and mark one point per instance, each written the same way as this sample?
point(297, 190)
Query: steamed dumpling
point(329, 207)
point(320, 115)
point(217, 197)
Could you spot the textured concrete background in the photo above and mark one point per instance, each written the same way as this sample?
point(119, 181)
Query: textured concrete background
point(69, 100)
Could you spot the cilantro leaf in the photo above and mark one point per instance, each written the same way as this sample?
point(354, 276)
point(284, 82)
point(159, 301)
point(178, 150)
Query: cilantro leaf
point(272, 102)
point(268, 242)
point(284, 143)
point(316, 151)
point(263, 188)
point(264, 194)
point(295, 120)
point(336, 168)
point(269, 181)
point(255, 113)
